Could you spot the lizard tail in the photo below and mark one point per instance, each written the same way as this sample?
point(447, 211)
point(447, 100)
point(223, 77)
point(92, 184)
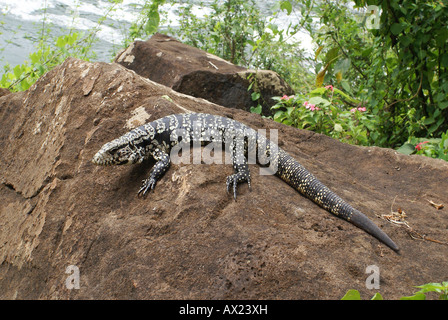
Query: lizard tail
point(293, 173)
point(361, 221)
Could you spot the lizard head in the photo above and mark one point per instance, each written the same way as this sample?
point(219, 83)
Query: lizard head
point(118, 152)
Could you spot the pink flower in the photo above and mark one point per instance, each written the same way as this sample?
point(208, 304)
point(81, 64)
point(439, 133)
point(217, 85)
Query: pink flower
point(362, 109)
point(310, 106)
point(419, 145)
point(329, 87)
point(285, 97)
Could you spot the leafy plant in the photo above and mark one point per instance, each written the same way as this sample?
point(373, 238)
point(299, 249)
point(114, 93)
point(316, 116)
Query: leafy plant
point(431, 147)
point(323, 110)
point(255, 95)
point(21, 77)
point(397, 69)
point(236, 30)
point(440, 288)
point(353, 294)
point(51, 51)
point(147, 22)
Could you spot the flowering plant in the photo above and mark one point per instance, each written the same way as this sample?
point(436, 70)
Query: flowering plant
point(432, 147)
point(324, 111)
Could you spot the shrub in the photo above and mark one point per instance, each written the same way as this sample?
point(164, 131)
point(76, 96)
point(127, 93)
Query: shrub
point(324, 111)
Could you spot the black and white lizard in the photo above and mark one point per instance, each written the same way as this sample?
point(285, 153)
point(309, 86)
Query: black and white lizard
point(156, 140)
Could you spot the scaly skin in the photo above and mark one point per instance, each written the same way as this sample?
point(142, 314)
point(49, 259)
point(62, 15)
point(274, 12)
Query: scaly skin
point(156, 139)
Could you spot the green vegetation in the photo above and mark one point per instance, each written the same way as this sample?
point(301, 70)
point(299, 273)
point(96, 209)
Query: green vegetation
point(322, 110)
point(441, 289)
point(397, 71)
point(21, 77)
point(51, 51)
point(378, 75)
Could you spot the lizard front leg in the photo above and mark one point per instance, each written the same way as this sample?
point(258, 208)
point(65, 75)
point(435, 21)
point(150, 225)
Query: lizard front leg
point(162, 164)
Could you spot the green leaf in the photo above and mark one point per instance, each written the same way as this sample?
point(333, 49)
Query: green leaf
point(407, 149)
point(345, 85)
point(288, 110)
point(428, 121)
point(337, 127)
point(319, 100)
point(256, 110)
point(377, 296)
point(255, 96)
point(60, 42)
point(342, 65)
point(278, 115)
point(352, 294)
point(318, 92)
point(417, 296)
point(277, 106)
point(396, 28)
point(34, 57)
point(405, 41)
point(166, 97)
point(72, 38)
point(152, 24)
point(429, 287)
point(286, 5)
point(41, 69)
point(421, 54)
point(367, 52)
point(331, 55)
point(444, 143)
point(17, 71)
point(435, 126)
point(441, 37)
point(342, 93)
point(25, 84)
point(444, 60)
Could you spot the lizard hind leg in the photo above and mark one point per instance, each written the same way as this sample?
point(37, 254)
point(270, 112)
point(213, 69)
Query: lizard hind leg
point(242, 173)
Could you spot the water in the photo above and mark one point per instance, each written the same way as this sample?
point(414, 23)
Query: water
point(22, 24)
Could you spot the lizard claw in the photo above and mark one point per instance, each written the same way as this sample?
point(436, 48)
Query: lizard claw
point(233, 181)
point(148, 184)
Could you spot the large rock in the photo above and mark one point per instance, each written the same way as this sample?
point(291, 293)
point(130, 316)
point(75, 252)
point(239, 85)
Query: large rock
point(189, 239)
point(197, 73)
point(4, 92)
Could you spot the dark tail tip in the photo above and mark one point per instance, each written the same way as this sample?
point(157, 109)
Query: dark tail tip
point(364, 223)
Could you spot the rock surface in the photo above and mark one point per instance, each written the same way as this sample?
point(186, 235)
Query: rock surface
point(189, 239)
point(4, 92)
point(194, 72)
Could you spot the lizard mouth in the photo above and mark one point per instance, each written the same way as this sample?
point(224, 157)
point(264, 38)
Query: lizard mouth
point(101, 160)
